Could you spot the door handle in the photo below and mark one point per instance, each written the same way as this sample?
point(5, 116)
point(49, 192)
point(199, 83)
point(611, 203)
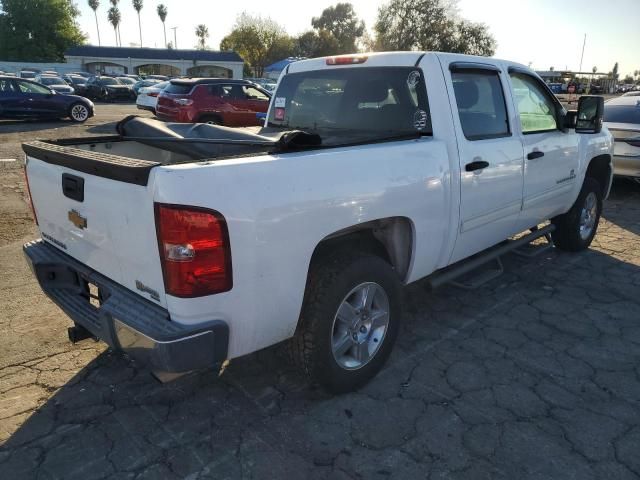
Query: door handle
point(535, 154)
point(477, 165)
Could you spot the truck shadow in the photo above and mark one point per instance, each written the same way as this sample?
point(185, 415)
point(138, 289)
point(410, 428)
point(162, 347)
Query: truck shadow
point(623, 206)
point(262, 420)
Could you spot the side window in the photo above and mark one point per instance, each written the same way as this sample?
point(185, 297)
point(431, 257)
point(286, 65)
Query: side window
point(481, 105)
point(28, 87)
point(535, 106)
point(254, 94)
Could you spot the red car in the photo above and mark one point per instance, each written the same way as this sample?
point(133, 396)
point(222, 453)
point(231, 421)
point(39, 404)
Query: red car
point(233, 103)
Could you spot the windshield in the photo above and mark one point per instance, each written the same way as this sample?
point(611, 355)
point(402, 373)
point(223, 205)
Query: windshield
point(622, 113)
point(51, 81)
point(126, 80)
point(367, 102)
point(109, 81)
point(78, 80)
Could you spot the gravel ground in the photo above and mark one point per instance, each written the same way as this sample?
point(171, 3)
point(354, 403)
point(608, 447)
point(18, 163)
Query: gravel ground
point(535, 375)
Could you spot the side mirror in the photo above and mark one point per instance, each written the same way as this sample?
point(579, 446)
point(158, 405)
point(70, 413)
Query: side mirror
point(590, 114)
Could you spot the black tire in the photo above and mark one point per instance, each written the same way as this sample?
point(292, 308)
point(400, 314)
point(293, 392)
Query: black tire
point(567, 235)
point(330, 281)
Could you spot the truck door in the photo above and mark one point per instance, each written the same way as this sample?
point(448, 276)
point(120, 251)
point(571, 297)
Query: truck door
point(490, 155)
point(551, 164)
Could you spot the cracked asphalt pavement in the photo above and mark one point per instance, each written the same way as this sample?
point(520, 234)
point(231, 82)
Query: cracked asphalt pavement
point(535, 375)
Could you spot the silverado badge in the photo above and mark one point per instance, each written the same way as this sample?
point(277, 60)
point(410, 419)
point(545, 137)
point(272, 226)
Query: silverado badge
point(77, 219)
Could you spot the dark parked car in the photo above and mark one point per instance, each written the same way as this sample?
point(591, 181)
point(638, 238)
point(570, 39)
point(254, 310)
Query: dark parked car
point(21, 98)
point(55, 83)
point(108, 89)
point(77, 82)
point(233, 103)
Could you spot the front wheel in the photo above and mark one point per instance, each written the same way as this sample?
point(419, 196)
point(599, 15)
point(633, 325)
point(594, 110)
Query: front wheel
point(576, 228)
point(349, 320)
point(79, 112)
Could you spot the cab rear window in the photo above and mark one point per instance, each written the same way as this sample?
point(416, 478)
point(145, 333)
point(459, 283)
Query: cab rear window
point(373, 99)
point(178, 89)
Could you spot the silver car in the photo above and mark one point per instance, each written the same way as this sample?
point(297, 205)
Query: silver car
point(622, 118)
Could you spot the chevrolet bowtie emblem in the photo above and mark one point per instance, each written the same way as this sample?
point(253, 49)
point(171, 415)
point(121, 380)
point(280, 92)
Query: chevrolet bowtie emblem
point(77, 219)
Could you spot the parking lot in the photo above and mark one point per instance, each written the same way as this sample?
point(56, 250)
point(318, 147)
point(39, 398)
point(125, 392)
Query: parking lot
point(535, 375)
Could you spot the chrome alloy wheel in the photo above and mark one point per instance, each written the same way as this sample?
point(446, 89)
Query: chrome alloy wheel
point(588, 215)
point(360, 325)
point(79, 113)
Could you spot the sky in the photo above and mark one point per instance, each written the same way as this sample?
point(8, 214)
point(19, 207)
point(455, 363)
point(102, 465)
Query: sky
point(542, 33)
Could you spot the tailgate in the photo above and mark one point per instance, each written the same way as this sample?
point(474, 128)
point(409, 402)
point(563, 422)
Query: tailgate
point(98, 208)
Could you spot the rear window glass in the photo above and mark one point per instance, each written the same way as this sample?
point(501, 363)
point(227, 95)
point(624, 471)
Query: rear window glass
point(373, 99)
point(622, 113)
point(178, 89)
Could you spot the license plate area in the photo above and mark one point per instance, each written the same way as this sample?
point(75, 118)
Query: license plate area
point(94, 294)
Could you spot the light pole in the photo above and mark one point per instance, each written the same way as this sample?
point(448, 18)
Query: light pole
point(175, 38)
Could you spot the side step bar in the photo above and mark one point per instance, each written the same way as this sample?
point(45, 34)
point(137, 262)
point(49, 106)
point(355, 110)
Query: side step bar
point(449, 274)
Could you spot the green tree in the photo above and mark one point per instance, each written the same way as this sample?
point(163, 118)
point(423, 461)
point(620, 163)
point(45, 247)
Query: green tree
point(316, 44)
point(429, 25)
point(162, 13)
point(93, 5)
point(342, 22)
point(259, 41)
point(137, 6)
point(38, 30)
point(202, 32)
point(114, 3)
point(614, 72)
point(113, 15)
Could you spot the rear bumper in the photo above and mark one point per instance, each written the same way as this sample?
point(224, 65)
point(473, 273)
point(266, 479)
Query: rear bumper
point(125, 320)
point(146, 107)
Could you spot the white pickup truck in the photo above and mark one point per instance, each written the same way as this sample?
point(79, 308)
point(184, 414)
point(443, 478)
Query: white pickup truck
point(187, 245)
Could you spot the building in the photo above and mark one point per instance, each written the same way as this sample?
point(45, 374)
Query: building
point(155, 61)
point(145, 61)
point(274, 70)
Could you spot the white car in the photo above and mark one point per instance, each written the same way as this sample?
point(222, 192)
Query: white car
point(188, 245)
point(148, 96)
point(622, 118)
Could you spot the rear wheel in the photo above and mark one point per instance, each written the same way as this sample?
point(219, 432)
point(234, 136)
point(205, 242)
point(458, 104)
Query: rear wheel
point(576, 228)
point(349, 320)
point(79, 112)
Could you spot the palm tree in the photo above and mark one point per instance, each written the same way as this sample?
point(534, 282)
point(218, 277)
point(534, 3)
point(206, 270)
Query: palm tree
point(137, 5)
point(162, 13)
point(114, 19)
point(115, 5)
point(202, 32)
point(93, 5)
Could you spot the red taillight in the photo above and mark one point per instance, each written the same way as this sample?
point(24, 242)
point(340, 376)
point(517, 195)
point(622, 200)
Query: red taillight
point(194, 249)
point(26, 180)
point(152, 94)
point(346, 60)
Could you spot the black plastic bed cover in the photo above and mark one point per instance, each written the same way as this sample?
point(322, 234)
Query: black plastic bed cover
point(196, 141)
point(204, 141)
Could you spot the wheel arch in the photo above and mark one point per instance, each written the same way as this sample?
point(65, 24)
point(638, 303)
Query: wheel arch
point(600, 169)
point(391, 238)
point(212, 115)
